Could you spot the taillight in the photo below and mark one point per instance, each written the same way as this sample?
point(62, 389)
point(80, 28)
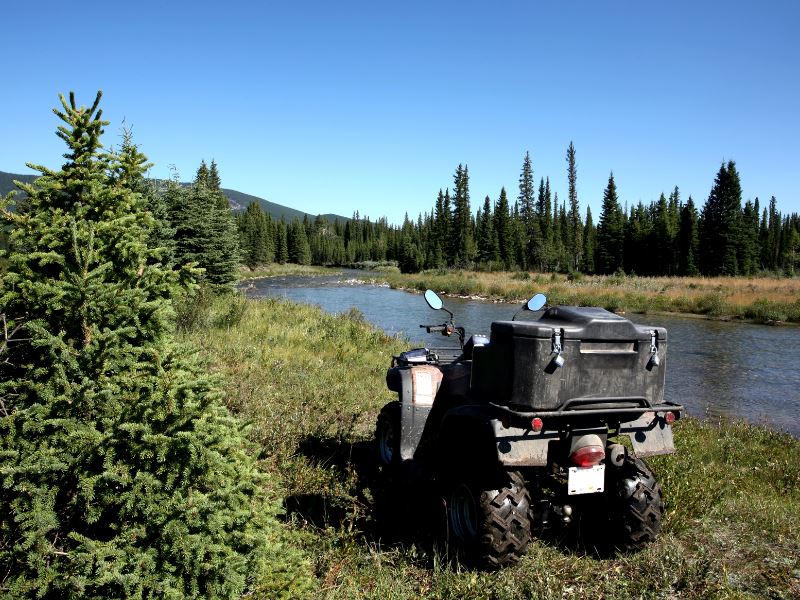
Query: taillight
point(537, 424)
point(669, 418)
point(588, 456)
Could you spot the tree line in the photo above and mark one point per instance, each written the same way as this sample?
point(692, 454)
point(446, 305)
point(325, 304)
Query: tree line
point(668, 236)
point(534, 231)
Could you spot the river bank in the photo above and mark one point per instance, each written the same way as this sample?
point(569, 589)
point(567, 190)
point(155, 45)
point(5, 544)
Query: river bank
point(310, 385)
point(761, 300)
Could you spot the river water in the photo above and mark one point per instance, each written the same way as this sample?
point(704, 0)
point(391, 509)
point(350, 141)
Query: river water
point(715, 369)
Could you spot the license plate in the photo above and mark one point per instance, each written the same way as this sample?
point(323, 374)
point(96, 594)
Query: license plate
point(586, 480)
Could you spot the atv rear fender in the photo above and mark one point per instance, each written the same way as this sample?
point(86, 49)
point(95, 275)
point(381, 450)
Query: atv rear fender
point(516, 444)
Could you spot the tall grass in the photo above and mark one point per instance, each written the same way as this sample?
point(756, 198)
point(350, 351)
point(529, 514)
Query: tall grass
point(764, 300)
point(310, 385)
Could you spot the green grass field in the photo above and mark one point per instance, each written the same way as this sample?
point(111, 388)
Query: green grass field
point(310, 385)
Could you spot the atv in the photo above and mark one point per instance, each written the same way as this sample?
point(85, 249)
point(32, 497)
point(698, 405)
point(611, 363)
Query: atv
point(538, 430)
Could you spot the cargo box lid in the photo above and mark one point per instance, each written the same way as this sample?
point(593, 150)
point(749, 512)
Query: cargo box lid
point(577, 322)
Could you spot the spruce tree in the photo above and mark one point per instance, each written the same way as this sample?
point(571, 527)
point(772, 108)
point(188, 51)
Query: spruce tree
point(575, 226)
point(281, 243)
point(720, 224)
point(297, 244)
point(504, 230)
point(487, 240)
point(205, 230)
point(688, 244)
point(214, 182)
point(663, 239)
point(461, 234)
point(123, 475)
point(528, 214)
point(254, 236)
point(201, 177)
point(610, 231)
point(589, 242)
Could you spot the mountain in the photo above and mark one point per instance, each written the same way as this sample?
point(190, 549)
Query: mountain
point(238, 200)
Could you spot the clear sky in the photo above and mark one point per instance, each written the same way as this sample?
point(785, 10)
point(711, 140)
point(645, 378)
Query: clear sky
point(370, 106)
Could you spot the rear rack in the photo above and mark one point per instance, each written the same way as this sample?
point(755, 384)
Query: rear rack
point(585, 407)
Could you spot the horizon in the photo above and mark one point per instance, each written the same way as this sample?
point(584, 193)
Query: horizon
point(370, 109)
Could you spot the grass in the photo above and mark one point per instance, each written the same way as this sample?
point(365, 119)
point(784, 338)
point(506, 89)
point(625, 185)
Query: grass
point(310, 385)
point(277, 269)
point(764, 300)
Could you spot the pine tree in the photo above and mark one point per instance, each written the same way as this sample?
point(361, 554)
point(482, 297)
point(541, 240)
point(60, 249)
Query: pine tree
point(610, 231)
point(254, 236)
point(747, 251)
point(504, 231)
point(774, 237)
point(205, 230)
point(442, 222)
point(531, 232)
point(589, 241)
point(688, 243)
point(213, 180)
point(297, 244)
point(201, 177)
point(131, 169)
point(461, 234)
point(575, 231)
point(123, 474)
point(282, 244)
point(548, 244)
point(663, 239)
point(487, 240)
point(720, 224)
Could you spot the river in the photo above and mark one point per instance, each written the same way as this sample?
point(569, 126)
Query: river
point(715, 369)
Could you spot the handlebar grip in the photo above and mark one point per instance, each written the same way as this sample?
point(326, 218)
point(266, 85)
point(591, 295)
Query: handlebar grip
point(433, 328)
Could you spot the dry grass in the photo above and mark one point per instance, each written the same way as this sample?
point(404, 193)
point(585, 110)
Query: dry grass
point(760, 299)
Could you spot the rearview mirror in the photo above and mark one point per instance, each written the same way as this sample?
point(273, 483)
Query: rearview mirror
point(537, 302)
point(433, 300)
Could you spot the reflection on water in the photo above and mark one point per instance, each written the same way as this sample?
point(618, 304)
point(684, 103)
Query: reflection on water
point(737, 370)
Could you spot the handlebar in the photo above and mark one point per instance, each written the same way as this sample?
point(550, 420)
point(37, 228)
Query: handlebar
point(436, 328)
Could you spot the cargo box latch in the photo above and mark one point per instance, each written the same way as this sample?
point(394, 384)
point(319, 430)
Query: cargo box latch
point(654, 360)
point(557, 361)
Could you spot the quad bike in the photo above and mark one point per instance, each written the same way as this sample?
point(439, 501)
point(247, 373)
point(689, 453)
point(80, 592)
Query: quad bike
point(539, 429)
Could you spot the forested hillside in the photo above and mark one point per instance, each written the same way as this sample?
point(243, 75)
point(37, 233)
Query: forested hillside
point(238, 200)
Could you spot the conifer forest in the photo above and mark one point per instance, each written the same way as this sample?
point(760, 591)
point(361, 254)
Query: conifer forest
point(537, 231)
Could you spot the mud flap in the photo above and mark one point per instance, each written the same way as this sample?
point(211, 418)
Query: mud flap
point(419, 386)
point(517, 447)
point(650, 435)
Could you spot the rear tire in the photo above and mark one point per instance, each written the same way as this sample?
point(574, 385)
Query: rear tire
point(637, 506)
point(491, 523)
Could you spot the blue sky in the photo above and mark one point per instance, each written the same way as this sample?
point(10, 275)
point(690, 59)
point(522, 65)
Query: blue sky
point(370, 106)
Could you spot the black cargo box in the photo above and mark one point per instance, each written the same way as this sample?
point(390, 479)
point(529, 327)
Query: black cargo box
point(604, 356)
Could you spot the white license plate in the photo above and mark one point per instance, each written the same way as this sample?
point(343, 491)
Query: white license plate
point(586, 480)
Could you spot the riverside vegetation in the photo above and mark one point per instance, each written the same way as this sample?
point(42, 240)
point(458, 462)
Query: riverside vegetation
point(760, 299)
point(311, 384)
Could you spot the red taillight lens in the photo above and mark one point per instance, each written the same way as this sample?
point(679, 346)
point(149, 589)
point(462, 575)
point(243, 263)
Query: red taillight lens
point(537, 424)
point(669, 418)
point(588, 456)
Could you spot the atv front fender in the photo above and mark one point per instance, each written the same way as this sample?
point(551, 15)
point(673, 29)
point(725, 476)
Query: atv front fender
point(417, 387)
